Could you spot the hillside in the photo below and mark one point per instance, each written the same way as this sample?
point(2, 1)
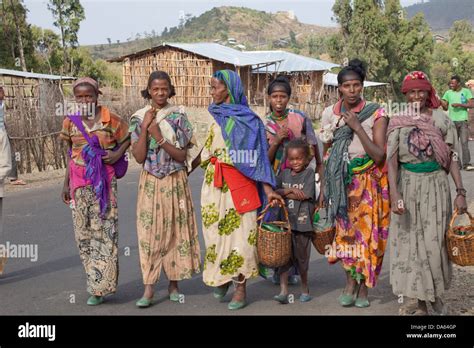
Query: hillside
point(230, 25)
point(441, 14)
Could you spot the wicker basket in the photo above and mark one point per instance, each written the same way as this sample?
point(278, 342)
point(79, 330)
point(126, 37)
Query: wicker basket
point(274, 248)
point(461, 247)
point(323, 237)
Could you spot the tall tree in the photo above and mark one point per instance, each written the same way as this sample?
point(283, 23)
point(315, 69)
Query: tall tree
point(19, 13)
point(378, 32)
point(68, 15)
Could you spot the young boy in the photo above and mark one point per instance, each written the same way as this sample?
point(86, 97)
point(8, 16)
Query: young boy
point(297, 185)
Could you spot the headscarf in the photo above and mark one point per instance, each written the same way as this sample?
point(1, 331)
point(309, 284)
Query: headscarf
point(89, 81)
point(419, 80)
point(425, 139)
point(242, 129)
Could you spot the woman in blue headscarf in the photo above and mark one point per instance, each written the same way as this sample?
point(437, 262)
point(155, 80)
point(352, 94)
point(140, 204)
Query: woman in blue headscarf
point(238, 181)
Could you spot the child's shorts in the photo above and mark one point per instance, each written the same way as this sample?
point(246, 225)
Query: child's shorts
point(300, 252)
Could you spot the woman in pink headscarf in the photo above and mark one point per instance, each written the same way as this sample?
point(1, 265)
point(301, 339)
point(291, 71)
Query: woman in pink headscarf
point(421, 144)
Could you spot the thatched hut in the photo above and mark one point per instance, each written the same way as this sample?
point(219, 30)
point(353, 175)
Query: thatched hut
point(190, 66)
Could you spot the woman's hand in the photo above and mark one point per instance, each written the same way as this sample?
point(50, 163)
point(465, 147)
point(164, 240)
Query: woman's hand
point(111, 157)
point(350, 118)
point(282, 134)
point(149, 117)
point(460, 204)
point(66, 195)
point(274, 198)
point(397, 203)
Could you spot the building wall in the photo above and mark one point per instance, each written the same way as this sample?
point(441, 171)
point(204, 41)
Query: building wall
point(305, 90)
point(189, 74)
point(32, 123)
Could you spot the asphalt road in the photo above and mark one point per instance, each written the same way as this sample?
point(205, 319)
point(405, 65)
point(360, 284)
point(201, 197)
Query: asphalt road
point(55, 283)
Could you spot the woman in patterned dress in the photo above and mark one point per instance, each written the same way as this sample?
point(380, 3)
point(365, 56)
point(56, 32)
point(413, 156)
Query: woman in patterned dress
point(166, 224)
point(90, 187)
point(421, 142)
point(238, 181)
point(356, 186)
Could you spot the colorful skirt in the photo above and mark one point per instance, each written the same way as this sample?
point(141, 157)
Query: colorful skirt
point(166, 227)
point(361, 240)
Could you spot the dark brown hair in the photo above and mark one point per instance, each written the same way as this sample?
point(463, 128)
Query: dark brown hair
point(158, 75)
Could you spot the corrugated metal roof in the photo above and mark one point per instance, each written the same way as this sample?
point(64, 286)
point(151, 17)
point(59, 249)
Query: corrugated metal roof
point(209, 50)
point(330, 79)
point(222, 53)
point(29, 75)
point(290, 62)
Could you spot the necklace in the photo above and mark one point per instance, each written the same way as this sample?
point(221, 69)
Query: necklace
point(279, 118)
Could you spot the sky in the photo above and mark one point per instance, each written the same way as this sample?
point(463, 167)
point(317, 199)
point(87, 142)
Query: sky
point(122, 19)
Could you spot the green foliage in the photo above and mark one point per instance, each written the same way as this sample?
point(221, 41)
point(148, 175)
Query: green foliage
point(379, 33)
point(106, 73)
point(68, 15)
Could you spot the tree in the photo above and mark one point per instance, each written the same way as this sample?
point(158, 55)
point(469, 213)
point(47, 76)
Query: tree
point(461, 31)
point(19, 15)
point(68, 15)
point(378, 32)
point(109, 40)
point(450, 58)
point(48, 50)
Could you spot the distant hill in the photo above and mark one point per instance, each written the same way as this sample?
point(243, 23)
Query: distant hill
point(233, 26)
point(441, 14)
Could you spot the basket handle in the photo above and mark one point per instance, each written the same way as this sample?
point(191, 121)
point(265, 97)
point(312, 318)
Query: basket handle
point(262, 214)
point(455, 215)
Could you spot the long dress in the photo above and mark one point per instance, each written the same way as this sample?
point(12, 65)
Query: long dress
point(419, 265)
point(361, 240)
point(230, 237)
point(166, 223)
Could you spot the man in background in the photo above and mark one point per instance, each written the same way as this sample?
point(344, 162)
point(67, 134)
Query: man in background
point(457, 100)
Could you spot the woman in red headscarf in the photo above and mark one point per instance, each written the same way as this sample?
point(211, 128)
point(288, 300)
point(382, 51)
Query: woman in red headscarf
point(421, 145)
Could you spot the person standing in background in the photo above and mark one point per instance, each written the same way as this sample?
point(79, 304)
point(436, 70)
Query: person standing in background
point(13, 175)
point(5, 165)
point(457, 100)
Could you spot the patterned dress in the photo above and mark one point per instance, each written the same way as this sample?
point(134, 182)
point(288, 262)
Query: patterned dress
point(419, 265)
point(361, 240)
point(166, 223)
point(230, 237)
point(96, 236)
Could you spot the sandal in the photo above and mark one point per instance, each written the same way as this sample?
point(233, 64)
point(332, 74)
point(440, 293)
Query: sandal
point(175, 296)
point(144, 302)
point(221, 291)
point(283, 299)
point(17, 182)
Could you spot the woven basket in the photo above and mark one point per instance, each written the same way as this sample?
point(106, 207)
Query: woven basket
point(461, 247)
point(322, 238)
point(274, 248)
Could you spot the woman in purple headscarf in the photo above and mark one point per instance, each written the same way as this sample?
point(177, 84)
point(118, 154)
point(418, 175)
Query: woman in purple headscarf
point(90, 185)
point(238, 181)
